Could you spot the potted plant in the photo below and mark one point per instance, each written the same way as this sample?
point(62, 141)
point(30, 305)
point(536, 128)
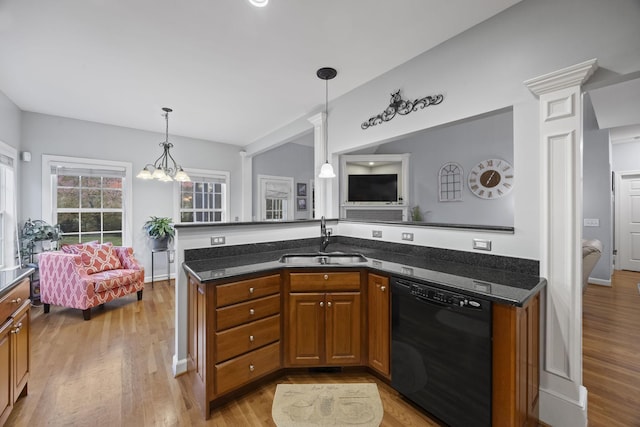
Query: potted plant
point(37, 236)
point(160, 230)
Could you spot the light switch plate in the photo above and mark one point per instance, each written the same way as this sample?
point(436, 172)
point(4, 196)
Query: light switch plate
point(591, 222)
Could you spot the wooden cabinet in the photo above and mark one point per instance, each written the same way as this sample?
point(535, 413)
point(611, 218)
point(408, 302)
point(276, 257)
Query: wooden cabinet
point(233, 335)
point(516, 364)
point(379, 324)
point(14, 347)
point(324, 319)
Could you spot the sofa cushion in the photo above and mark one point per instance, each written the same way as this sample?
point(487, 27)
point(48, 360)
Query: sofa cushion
point(69, 248)
point(97, 257)
point(112, 279)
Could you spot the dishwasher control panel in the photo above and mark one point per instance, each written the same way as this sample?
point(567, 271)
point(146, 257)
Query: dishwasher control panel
point(443, 297)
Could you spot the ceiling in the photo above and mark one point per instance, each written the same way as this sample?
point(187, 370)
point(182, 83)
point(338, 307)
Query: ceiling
point(232, 73)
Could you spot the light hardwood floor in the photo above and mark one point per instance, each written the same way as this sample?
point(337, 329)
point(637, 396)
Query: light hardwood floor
point(611, 351)
point(115, 370)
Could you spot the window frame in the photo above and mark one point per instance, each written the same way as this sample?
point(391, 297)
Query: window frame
point(205, 173)
point(48, 197)
point(262, 203)
point(9, 238)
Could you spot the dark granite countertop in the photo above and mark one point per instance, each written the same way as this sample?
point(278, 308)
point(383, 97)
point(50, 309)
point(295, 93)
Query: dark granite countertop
point(495, 284)
point(10, 278)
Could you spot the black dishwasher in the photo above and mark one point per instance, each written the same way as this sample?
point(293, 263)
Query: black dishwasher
point(441, 352)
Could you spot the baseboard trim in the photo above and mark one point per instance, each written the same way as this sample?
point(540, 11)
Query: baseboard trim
point(179, 366)
point(557, 410)
point(599, 282)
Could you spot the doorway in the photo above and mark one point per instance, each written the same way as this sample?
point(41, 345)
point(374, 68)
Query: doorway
point(627, 222)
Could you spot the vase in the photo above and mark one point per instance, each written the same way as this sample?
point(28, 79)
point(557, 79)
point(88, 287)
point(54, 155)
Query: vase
point(160, 244)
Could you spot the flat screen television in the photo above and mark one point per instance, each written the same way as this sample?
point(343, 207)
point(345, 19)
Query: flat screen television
point(373, 188)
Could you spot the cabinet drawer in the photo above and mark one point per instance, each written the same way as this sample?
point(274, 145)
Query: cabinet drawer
point(237, 314)
point(318, 282)
point(242, 339)
point(14, 299)
point(245, 368)
point(232, 293)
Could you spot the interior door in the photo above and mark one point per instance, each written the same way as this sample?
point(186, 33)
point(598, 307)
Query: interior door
point(629, 222)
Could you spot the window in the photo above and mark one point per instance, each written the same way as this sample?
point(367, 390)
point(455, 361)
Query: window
point(89, 199)
point(8, 219)
point(204, 199)
point(450, 183)
point(276, 198)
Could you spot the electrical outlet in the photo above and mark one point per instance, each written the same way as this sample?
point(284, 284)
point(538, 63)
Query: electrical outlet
point(217, 240)
point(376, 233)
point(407, 236)
point(591, 222)
point(481, 244)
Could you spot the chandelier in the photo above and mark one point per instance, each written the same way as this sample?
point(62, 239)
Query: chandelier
point(165, 167)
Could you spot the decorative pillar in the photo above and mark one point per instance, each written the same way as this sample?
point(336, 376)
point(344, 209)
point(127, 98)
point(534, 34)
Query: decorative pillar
point(323, 187)
point(563, 398)
point(247, 187)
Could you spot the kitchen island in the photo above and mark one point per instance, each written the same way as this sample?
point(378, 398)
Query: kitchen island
point(309, 314)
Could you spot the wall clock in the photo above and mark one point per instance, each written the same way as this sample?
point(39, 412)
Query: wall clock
point(491, 179)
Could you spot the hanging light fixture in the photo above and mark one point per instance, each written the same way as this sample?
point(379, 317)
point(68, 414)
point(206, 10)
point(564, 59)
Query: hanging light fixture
point(326, 74)
point(165, 167)
point(259, 3)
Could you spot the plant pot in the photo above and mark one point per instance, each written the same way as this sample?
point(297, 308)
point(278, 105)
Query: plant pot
point(160, 244)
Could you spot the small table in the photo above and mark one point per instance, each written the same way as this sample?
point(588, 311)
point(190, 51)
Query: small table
point(168, 252)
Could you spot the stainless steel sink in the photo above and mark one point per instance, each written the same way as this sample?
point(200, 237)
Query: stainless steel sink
point(323, 258)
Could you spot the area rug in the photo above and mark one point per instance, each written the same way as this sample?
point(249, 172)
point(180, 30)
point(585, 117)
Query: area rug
point(313, 405)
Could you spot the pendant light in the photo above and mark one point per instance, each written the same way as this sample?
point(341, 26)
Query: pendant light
point(326, 74)
point(162, 169)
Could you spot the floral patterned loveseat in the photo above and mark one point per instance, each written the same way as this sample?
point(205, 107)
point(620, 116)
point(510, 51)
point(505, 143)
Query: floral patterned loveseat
point(88, 274)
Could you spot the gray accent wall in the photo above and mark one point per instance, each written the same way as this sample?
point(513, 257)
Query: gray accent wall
point(9, 122)
point(597, 201)
point(45, 134)
point(467, 142)
point(294, 160)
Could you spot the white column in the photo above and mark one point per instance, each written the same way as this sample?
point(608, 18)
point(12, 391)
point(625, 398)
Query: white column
point(323, 186)
point(247, 188)
point(563, 398)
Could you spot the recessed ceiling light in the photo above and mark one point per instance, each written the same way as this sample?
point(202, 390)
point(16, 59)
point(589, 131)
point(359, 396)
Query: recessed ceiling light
point(259, 3)
point(371, 163)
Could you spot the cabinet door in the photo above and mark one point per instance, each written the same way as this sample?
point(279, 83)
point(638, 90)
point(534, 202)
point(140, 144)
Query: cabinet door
point(379, 324)
point(306, 329)
point(21, 362)
point(6, 401)
point(343, 328)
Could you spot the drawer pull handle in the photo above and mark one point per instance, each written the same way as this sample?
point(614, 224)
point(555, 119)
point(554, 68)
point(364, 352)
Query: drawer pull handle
point(321, 303)
point(326, 277)
point(329, 304)
point(251, 291)
point(251, 338)
point(17, 300)
point(382, 288)
point(252, 368)
point(252, 312)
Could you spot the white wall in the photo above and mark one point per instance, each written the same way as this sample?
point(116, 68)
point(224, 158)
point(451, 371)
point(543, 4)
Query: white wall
point(44, 134)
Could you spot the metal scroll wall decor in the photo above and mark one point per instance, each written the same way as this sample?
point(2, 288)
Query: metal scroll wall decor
point(402, 107)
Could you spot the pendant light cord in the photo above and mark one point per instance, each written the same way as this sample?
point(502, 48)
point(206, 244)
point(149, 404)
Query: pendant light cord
point(326, 120)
